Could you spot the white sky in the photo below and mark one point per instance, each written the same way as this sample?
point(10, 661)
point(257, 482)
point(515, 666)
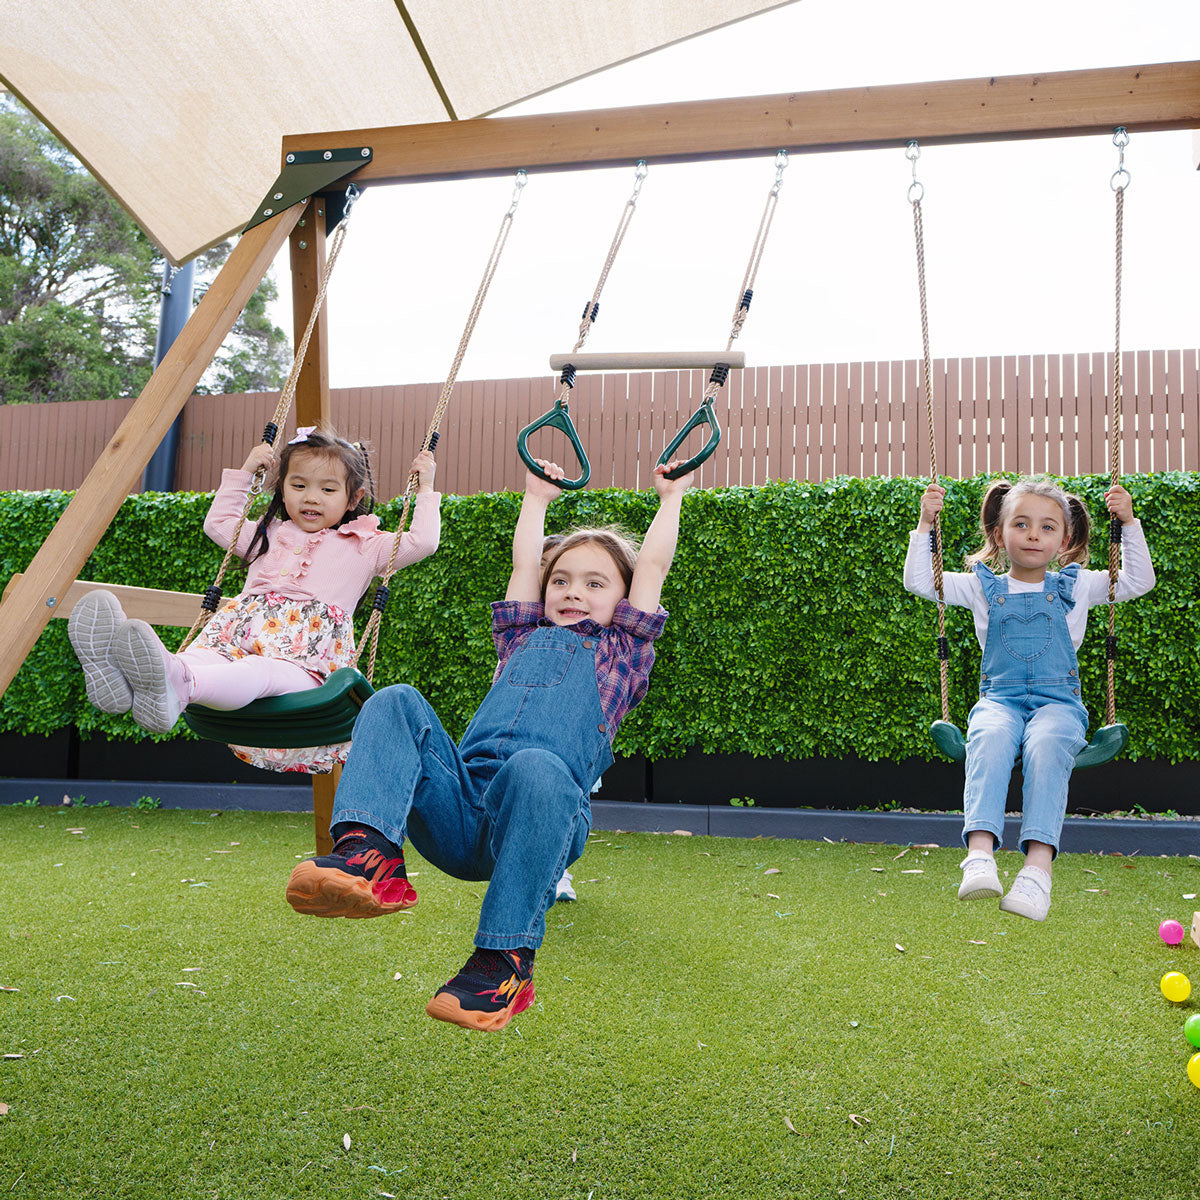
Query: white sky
point(1019, 235)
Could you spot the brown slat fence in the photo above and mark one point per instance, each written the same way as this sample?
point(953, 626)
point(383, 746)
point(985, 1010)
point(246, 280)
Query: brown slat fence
point(1024, 413)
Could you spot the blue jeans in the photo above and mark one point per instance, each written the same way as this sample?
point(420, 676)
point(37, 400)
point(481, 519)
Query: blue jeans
point(1047, 735)
point(518, 821)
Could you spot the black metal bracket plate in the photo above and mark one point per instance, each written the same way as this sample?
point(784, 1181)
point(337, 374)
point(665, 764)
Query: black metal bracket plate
point(306, 173)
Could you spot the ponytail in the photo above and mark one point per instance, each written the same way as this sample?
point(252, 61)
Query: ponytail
point(1081, 529)
point(991, 553)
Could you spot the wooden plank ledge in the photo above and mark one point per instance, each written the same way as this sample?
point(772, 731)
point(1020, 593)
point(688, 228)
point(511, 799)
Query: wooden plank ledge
point(143, 604)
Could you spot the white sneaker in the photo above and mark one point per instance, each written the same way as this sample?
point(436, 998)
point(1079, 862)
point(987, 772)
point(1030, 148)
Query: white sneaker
point(1029, 895)
point(154, 674)
point(92, 625)
point(980, 879)
point(564, 889)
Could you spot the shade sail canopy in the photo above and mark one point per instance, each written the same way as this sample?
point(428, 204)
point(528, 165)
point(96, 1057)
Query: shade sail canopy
point(179, 107)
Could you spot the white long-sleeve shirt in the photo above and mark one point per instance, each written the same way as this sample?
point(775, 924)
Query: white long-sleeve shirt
point(1135, 578)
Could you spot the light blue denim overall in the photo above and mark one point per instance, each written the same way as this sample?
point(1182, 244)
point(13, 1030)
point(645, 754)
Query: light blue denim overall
point(1029, 705)
point(509, 803)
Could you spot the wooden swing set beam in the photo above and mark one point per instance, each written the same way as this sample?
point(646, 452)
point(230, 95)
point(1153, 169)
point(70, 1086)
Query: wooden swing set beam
point(1150, 98)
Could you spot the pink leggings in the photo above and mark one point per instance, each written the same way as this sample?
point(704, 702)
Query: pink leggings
point(219, 683)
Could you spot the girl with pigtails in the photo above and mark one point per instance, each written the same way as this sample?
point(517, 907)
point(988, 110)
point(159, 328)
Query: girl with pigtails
point(1030, 621)
point(310, 559)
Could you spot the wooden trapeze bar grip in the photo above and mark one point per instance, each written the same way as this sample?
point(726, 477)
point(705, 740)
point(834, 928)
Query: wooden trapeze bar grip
point(666, 360)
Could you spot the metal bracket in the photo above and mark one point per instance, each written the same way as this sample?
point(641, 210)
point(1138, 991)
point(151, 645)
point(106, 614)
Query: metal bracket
point(306, 173)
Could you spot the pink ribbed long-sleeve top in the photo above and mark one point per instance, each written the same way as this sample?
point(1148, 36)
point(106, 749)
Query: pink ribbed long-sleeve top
point(334, 566)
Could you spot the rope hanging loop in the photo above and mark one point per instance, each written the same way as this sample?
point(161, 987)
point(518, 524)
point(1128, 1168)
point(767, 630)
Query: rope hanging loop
point(1121, 178)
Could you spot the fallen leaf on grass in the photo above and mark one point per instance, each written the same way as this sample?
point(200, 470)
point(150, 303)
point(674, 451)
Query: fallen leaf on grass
point(788, 1122)
point(913, 871)
point(681, 833)
point(346, 1141)
point(973, 942)
point(927, 845)
point(58, 998)
point(879, 869)
point(900, 947)
point(3, 1109)
point(859, 1121)
point(74, 830)
point(772, 871)
point(575, 1154)
point(1189, 895)
point(14, 1056)
point(772, 896)
point(901, 854)
point(830, 841)
point(4, 988)
point(1089, 871)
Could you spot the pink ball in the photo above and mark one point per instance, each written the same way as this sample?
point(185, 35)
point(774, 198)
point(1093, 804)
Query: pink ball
point(1171, 932)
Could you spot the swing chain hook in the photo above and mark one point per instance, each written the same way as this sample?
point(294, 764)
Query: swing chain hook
point(640, 171)
point(521, 180)
point(916, 189)
point(1121, 177)
point(781, 162)
point(352, 194)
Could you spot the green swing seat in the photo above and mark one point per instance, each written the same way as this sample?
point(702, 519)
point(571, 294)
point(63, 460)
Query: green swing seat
point(322, 716)
point(1107, 742)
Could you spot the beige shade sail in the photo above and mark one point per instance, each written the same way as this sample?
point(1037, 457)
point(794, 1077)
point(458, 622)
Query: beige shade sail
point(179, 107)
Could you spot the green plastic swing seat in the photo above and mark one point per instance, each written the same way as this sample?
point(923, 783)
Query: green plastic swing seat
point(1107, 742)
point(323, 716)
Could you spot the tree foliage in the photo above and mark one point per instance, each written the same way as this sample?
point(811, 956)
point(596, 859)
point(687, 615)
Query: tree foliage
point(80, 285)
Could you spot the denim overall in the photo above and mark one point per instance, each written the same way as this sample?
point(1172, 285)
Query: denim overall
point(509, 803)
point(1029, 706)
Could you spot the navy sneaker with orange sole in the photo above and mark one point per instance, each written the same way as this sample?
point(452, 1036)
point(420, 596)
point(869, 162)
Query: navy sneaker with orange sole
point(363, 877)
point(488, 992)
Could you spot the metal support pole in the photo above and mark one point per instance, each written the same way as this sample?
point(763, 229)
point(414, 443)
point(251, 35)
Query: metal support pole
point(177, 289)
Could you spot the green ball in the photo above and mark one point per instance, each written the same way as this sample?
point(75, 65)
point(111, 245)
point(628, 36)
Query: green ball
point(1191, 1029)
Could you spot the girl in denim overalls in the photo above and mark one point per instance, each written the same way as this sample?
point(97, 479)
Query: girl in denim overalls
point(1030, 621)
point(509, 803)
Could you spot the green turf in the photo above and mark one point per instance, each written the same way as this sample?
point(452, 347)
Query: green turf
point(702, 1028)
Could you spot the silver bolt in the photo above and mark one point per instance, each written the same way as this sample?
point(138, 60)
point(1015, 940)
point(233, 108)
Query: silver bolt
point(328, 155)
point(291, 158)
point(278, 196)
point(268, 212)
point(303, 245)
point(365, 152)
point(51, 602)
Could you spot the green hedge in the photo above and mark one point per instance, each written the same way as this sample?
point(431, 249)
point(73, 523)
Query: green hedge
point(790, 631)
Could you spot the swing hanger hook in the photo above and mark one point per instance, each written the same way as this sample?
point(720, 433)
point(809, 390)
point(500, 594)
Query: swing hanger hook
point(352, 194)
point(916, 189)
point(1120, 177)
point(781, 162)
point(521, 180)
point(640, 171)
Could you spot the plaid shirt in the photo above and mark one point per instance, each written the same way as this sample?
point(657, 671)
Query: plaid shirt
point(624, 649)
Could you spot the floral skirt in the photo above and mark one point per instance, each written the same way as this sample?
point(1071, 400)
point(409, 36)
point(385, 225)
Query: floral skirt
point(316, 636)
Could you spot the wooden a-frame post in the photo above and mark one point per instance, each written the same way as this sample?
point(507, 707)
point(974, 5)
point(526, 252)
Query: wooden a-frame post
point(307, 247)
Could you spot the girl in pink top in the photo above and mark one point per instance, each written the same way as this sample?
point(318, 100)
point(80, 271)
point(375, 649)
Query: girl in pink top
point(311, 558)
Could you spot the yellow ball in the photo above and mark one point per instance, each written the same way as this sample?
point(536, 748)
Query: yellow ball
point(1194, 1068)
point(1176, 986)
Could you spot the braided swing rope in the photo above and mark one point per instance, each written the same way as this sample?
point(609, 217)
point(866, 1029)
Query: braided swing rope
point(746, 291)
point(1118, 182)
point(212, 595)
point(591, 310)
point(916, 192)
point(379, 603)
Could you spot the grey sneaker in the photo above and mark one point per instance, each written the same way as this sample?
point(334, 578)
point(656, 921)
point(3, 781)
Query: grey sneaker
point(1029, 895)
point(154, 673)
point(565, 888)
point(92, 625)
point(980, 880)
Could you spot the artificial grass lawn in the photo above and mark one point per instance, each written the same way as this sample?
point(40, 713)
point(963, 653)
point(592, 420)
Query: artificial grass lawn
point(702, 1028)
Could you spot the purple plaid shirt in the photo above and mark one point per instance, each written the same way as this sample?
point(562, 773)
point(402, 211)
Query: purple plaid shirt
point(624, 649)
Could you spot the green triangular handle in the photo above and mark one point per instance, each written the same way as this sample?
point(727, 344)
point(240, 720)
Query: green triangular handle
point(557, 418)
point(704, 415)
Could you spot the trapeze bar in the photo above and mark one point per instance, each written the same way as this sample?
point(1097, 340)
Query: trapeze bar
point(665, 360)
